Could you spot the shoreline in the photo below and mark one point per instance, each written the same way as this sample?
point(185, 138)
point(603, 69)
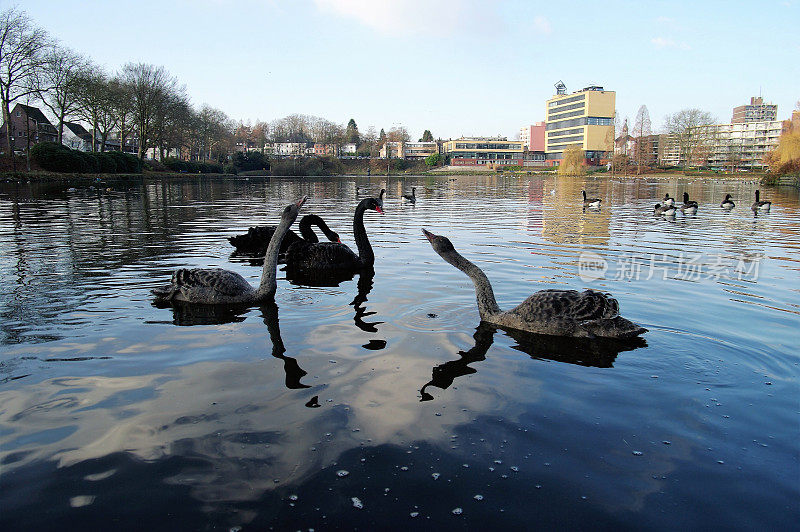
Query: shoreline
point(80, 178)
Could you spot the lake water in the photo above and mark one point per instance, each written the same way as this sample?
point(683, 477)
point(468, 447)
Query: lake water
point(381, 403)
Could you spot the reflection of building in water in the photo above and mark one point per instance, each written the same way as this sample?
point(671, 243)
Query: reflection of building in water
point(564, 221)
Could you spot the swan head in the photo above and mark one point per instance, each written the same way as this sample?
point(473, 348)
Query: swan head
point(658, 206)
point(291, 211)
point(666, 196)
point(374, 204)
point(380, 196)
point(686, 197)
point(727, 197)
point(440, 244)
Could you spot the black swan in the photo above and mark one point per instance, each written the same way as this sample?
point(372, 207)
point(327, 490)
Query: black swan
point(255, 241)
point(213, 286)
point(411, 197)
point(688, 207)
point(552, 312)
point(590, 202)
point(727, 204)
point(307, 259)
point(669, 202)
point(666, 210)
point(761, 205)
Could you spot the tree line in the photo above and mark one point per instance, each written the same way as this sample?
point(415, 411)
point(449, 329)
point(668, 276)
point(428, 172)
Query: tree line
point(143, 105)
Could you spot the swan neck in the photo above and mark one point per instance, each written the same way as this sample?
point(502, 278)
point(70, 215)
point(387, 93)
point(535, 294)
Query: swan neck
point(365, 253)
point(487, 304)
point(305, 227)
point(268, 274)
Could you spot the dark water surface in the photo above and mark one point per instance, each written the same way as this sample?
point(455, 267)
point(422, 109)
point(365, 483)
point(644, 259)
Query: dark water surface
point(381, 403)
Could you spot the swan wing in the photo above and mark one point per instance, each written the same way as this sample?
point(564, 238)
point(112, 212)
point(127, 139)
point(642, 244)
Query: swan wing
point(559, 305)
point(209, 285)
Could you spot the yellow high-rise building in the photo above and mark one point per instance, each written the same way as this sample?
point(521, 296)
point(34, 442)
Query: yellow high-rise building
point(584, 118)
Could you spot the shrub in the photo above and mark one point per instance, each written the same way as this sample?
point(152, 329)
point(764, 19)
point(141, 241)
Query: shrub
point(108, 165)
point(230, 169)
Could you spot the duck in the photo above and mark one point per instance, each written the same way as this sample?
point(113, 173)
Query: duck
point(688, 207)
point(664, 210)
point(760, 205)
point(217, 286)
point(590, 202)
point(727, 204)
point(669, 202)
point(553, 312)
point(411, 197)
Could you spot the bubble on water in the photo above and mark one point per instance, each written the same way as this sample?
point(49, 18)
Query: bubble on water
point(720, 461)
point(436, 476)
point(457, 511)
point(414, 514)
point(666, 442)
point(637, 453)
point(547, 464)
point(404, 468)
point(292, 497)
point(491, 469)
point(357, 503)
point(538, 486)
point(235, 529)
point(478, 497)
point(504, 476)
point(342, 473)
point(498, 461)
point(465, 465)
point(438, 414)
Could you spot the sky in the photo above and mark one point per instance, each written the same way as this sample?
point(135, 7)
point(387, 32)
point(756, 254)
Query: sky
point(455, 67)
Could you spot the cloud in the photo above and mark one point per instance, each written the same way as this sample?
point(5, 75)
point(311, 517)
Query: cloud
point(542, 25)
point(662, 42)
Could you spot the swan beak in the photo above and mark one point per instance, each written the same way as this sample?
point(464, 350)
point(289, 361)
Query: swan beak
point(338, 240)
point(301, 201)
point(379, 210)
point(428, 235)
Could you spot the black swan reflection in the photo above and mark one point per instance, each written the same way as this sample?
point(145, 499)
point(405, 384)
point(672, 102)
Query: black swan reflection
point(317, 260)
point(553, 312)
point(215, 286)
point(365, 283)
point(255, 241)
point(595, 352)
point(290, 366)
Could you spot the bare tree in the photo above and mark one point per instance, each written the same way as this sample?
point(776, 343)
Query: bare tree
point(21, 47)
point(150, 89)
point(214, 128)
point(641, 134)
point(58, 83)
point(99, 101)
point(398, 134)
point(685, 126)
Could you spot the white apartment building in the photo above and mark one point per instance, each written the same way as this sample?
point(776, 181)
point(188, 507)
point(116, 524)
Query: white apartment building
point(737, 145)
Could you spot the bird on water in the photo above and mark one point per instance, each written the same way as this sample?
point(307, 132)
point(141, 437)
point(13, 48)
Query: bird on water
point(553, 312)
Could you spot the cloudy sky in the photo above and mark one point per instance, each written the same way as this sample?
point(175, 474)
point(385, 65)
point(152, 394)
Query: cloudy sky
point(456, 67)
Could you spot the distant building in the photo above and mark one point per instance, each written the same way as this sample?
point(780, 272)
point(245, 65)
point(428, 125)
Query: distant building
point(29, 127)
point(325, 149)
point(740, 145)
point(585, 119)
point(532, 136)
point(290, 149)
point(76, 137)
point(419, 150)
point(757, 111)
point(348, 149)
point(392, 150)
point(478, 151)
